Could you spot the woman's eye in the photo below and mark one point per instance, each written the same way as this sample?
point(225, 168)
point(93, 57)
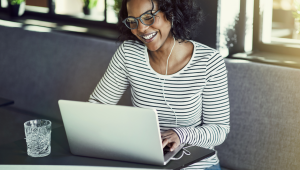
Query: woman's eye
point(130, 21)
point(147, 17)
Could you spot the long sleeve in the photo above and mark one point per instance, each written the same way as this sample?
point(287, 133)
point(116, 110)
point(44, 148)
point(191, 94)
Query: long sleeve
point(215, 108)
point(114, 82)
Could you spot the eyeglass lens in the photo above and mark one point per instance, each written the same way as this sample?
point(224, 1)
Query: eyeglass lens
point(147, 19)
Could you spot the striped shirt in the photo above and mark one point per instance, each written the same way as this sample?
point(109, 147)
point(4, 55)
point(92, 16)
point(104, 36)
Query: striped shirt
point(193, 102)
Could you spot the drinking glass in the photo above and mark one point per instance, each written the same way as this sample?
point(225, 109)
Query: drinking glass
point(38, 137)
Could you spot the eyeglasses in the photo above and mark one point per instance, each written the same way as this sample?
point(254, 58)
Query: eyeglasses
point(146, 18)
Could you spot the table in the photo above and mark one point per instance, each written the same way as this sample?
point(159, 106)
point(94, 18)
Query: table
point(15, 153)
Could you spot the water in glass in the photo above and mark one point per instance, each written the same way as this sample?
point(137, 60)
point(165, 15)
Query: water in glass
point(38, 137)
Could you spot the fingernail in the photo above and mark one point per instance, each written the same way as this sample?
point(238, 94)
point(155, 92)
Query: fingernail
point(171, 150)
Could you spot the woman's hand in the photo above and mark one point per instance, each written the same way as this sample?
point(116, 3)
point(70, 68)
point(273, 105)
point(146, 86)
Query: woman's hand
point(170, 139)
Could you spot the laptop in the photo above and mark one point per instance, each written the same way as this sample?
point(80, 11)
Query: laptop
point(114, 132)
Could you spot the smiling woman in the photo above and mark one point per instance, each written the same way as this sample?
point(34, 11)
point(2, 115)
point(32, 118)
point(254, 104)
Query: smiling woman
point(185, 81)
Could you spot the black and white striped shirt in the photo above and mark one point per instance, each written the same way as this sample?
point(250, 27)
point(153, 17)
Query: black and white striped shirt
point(193, 102)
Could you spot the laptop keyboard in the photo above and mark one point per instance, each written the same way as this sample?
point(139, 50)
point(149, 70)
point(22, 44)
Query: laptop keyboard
point(166, 150)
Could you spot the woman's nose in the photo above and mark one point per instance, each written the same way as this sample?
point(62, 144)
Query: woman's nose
point(141, 27)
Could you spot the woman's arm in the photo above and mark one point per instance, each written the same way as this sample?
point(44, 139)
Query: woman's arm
point(215, 108)
point(114, 82)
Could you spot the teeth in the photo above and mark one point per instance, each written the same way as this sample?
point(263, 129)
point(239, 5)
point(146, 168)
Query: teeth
point(149, 36)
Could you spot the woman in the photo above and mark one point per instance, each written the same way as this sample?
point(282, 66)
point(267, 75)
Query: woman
point(185, 81)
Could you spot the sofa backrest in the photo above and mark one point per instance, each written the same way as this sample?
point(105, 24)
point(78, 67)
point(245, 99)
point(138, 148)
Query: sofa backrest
point(37, 69)
point(264, 117)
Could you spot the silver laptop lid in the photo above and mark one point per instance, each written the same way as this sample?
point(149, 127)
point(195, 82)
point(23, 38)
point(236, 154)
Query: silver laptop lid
point(112, 132)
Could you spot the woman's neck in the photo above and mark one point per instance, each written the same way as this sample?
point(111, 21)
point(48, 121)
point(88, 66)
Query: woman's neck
point(161, 55)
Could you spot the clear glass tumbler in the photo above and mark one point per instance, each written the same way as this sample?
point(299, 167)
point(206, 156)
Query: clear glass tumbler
point(38, 137)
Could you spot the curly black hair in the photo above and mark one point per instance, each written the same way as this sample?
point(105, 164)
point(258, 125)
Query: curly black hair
point(185, 13)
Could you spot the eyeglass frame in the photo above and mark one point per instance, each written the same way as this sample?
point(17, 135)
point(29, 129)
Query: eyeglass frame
point(139, 18)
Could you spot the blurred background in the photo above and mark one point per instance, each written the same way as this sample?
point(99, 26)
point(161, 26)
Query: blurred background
point(231, 26)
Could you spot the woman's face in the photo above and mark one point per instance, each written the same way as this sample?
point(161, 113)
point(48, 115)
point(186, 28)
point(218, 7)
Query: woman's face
point(160, 28)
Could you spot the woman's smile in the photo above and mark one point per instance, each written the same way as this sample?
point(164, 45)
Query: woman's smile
point(149, 37)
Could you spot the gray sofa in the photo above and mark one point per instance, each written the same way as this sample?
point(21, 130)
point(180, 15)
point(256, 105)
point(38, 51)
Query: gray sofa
point(38, 69)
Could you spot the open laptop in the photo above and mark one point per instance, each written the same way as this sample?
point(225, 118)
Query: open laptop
point(114, 132)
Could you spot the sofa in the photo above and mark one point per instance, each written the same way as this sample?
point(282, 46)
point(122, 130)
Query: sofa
point(37, 69)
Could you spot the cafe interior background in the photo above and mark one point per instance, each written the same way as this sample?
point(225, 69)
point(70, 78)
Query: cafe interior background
point(262, 31)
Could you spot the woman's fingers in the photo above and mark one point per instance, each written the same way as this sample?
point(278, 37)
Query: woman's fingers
point(168, 134)
point(171, 144)
point(175, 145)
point(165, 143)
point(171, 139)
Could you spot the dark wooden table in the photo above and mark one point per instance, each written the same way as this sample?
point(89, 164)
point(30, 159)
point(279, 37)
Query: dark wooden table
point(15, 154)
